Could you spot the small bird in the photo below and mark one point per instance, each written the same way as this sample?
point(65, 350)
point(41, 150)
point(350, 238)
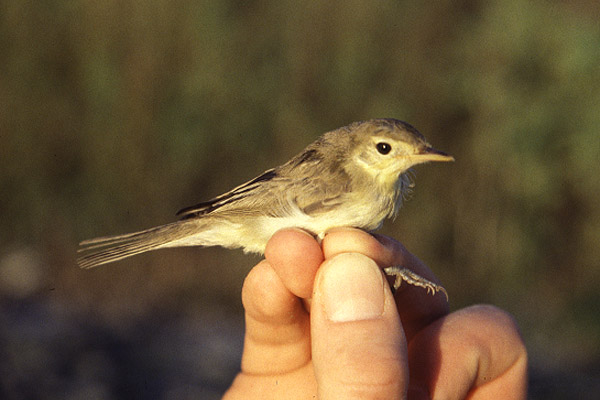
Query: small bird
point(354, 176)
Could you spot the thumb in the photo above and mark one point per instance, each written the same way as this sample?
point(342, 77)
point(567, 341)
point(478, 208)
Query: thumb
point(358, 344)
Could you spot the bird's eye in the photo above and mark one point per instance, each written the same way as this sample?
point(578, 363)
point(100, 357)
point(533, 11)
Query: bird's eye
point(383, 147)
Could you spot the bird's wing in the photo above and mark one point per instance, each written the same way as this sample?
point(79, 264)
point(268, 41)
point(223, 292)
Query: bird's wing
point(230, 199)
point(319, 186)
point(321, 195)
point(305, 183)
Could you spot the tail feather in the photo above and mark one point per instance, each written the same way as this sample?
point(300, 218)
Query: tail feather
point(107, 249)
point(108, 240)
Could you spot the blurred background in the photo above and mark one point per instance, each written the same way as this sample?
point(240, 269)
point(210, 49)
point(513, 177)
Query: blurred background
point(116, 114)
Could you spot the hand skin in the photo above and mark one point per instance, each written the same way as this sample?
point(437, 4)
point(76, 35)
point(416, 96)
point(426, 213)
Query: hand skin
point(359, 341)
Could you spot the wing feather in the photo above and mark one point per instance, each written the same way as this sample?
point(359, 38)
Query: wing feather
point(307, 183)
point(242, 191)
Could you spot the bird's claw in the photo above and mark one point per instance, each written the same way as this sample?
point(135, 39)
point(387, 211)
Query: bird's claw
point(404, 274)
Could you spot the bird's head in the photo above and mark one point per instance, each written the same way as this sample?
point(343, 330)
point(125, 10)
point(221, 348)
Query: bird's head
point(387, 148)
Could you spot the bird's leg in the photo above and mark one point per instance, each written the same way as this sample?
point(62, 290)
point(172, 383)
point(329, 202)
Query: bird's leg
point(401, 273)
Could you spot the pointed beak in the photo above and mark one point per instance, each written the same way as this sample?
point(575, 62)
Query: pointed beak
point(430, 154)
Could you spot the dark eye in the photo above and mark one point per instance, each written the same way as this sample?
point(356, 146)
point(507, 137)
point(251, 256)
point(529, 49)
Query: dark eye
point(383, 147)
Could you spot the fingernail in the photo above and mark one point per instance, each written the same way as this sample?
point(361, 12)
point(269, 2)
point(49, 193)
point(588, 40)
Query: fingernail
point(351, 288)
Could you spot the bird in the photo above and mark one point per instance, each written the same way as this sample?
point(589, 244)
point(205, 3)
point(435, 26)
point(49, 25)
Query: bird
point(354, 176)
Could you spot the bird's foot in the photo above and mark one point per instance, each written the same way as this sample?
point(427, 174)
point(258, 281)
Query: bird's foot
point(405, 274)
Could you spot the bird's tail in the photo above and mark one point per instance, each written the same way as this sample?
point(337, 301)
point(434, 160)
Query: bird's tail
point(107, 249)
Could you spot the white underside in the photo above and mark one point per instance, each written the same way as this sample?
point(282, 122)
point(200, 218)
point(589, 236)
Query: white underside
point(252, 233)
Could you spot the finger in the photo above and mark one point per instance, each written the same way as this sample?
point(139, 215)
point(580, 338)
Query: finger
point(277, 326)
point(358, 345)
point(295, 255)
point(477, 351)
point(416, 307)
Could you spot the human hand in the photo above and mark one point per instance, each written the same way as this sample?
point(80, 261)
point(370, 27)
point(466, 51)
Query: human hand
point(359, 340)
